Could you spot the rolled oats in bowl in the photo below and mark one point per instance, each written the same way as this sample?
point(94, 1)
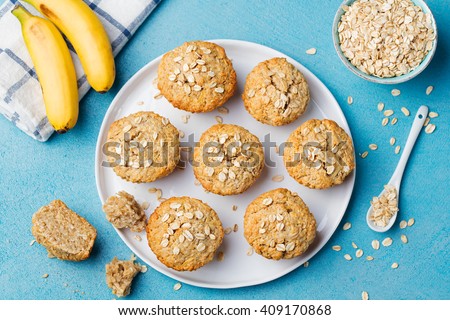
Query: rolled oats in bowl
point(385, 38)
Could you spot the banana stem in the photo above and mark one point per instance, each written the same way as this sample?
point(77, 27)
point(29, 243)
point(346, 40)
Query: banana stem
point(21, 13)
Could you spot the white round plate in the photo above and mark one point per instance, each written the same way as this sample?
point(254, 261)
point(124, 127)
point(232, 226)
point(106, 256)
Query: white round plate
point(237, 268)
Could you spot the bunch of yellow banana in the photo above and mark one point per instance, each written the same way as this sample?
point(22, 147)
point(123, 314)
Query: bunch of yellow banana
point(52, 60)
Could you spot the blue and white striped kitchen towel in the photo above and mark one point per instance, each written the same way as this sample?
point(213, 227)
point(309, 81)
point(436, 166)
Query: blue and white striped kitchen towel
point(20, 93)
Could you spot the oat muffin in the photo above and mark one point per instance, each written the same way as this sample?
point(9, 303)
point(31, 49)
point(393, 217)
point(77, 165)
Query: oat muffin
point(197, 76)
point(143, 147)
point(64, 234)
point(184, 233)
point(278, 225)
point(319, 154)
point(120, 275)
point(275, 92)
point(228, 159)
point(123, 211)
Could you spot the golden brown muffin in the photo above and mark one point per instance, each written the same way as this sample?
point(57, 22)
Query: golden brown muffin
point(184, 233)
point(228, 159)
point(278, 225)
point(319, 154)
point(197, 76)
point(143, 147)
point(275, 92)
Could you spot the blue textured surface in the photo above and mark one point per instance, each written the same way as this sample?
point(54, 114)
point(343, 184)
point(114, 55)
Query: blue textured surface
point(33, 173)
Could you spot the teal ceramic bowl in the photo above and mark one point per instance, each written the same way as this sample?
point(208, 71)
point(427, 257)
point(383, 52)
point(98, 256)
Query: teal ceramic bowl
point(393, 80)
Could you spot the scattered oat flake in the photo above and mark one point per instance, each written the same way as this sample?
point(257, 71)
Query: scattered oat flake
point(223, 110)
point(392, 141)
point(145, 205)
point(235, 227)
point(380, 106)
point(365, 295)
point(158, 96)
point(347, 257)
point(404, 238)
point(45, 275)
point(405, 111)
point(227, 230)
point(220, 256)
point(32, 242)
point(376, 244)
point(336, 248)
point(250, 251)
point(152, 190)
point(350, 100)
point(411, 222)
point(433, 114)
point(430, 128)
point(429, 90)
point(138, 237)
point(306, 264)
point(397, 149)
point(364, 154)
point(395, 92)
point(394, 265)
point(144, 269)
point(347, 226)
point(354, 245)
point(140, 103)
point(234, 207)
point(219, 119)
point(369, 258)
point(394, 121)
point(311, 51)
point(185, 118)
point(359, 253)
point(177, 286)
point(373, 146)
point(403, 224)
point(427, 121)
point(387, 242)
point(278, 178)
point(388, 113)
point(384, 122)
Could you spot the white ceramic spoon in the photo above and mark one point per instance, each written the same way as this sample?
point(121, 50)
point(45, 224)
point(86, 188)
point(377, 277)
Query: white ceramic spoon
point(396, 178)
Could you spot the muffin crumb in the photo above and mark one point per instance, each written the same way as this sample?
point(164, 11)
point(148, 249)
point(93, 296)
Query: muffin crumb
point(120, 275)
point(123, 211)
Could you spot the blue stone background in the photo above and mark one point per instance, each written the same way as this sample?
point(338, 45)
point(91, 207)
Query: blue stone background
point(32, 173)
